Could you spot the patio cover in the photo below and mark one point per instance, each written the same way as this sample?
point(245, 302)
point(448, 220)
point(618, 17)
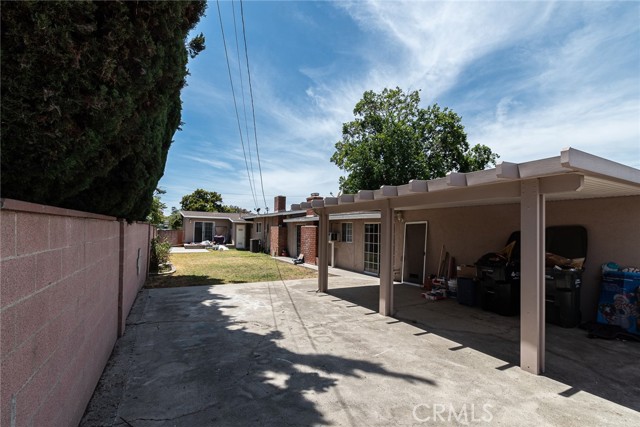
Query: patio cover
point(572, 175)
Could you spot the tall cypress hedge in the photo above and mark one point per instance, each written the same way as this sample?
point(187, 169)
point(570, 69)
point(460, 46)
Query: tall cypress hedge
point(91, 100)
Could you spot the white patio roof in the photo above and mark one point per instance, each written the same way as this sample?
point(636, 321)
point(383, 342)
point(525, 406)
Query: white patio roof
point(572, 175)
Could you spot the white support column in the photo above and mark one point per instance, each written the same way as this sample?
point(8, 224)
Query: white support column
point(532, 317)
point(386, 261)
point(323, 259)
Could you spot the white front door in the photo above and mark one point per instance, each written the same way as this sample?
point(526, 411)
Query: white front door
point(240, 237)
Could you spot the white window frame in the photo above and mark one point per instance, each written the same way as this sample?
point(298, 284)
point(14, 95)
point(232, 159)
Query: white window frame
point(377, 244)
point(258, 227)
point(344, 236)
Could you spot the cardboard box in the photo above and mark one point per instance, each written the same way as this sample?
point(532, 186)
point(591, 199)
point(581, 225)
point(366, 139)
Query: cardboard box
point(467, 271)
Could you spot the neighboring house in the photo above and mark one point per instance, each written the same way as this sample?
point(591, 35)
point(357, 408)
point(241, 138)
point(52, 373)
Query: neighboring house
point(201, 226)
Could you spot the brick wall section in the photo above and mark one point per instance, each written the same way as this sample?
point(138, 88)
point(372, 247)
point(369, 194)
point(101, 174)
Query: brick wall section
point(309, 243)
point(278, 240)
point(59, 293)
point(175, 237)
point(279, 204)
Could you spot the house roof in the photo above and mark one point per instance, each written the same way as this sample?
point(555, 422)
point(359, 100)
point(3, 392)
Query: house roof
point(233, 217)
point(572, 175)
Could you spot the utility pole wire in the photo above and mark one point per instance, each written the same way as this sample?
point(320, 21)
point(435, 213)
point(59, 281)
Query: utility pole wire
point(253, 111)
point(244, 104)
point(235, 105)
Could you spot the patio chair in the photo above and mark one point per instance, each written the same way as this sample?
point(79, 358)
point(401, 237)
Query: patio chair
point(299, 260)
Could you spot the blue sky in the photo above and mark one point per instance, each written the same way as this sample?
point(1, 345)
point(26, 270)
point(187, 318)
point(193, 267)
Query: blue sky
point(528, 79)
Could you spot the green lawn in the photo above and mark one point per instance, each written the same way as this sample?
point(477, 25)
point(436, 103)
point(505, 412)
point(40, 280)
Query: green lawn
point(232, 266)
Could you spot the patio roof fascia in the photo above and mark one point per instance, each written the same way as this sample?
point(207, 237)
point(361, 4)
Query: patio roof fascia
point(275, 214)
point(491, 184)
point(591, 165)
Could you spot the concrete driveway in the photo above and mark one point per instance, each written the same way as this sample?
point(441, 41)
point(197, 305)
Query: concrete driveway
point(270, 354)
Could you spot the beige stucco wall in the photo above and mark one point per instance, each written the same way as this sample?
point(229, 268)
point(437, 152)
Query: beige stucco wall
point(613, 227)
point(189, 227)
point(264, 235)
point(350, 256)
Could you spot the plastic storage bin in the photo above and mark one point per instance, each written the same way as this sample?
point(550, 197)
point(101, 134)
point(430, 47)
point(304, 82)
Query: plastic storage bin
point(619, 302)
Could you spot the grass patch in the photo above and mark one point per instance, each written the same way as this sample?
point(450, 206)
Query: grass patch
point(232, 266)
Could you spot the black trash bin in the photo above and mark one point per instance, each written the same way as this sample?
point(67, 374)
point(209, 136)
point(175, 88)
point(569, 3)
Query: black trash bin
point(563, 284)
point(500, 277)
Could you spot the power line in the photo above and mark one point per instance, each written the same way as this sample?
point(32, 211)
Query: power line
point(244, 104)
point(235, 105)
point(253, 111)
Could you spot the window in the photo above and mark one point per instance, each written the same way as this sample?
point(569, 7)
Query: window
point(203, 231)
point(347, 232)
point(372, 248)
point(258, 227)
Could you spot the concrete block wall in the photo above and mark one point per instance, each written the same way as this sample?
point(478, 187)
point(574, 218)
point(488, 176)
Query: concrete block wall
point(59, 317)
point(135, 240)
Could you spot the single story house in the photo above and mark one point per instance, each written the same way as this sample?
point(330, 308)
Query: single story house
point(201, 226)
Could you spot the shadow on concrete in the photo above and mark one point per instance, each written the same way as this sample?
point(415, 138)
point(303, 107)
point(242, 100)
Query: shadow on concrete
point(173, 281)
point(608, 369)
point(184, 361)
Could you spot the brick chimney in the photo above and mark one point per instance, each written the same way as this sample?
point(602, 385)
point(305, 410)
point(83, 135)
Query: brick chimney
point(313, 196)
point(279, 204)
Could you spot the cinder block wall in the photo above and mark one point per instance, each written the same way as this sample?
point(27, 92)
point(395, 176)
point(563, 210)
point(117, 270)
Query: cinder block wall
point(135, 241)
point(59, 297)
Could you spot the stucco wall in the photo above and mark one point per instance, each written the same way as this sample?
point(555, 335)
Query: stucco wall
point(350, 256)
point(190, 223)
point(613, 227)
point(264, 235)
point(59, 294)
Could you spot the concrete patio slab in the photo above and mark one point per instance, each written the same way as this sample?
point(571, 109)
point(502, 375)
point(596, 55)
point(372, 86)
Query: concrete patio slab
point(274, 354)
point(183, 250)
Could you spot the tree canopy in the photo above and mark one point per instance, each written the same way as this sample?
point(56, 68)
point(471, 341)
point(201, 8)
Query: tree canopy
point(208, 201)
point(393, 140)
point(203, 201)
point(91, 100)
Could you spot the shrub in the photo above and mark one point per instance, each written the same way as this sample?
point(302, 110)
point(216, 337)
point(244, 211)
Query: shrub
point(159, 253)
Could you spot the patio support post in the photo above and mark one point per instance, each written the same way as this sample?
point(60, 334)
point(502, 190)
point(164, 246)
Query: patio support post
point(386, 260)
point(532, 318)
point(323, 243)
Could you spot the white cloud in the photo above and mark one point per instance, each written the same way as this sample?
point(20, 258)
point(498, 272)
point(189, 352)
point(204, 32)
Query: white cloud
point(218, 164)
point(578, 84)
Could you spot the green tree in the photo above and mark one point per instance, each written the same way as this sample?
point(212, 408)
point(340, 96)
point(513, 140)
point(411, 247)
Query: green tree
point(203, 201)
point(156, 215)
point(91, 100)
point(234, 209)
point(175, 219)
point(392, 141)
